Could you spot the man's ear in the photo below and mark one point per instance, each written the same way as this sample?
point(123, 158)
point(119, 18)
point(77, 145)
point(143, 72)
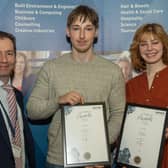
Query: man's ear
point(96, 37)
point(96, 33)
point(67, 32)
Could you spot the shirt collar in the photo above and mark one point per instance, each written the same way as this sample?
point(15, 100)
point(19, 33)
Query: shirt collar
point(1, 82)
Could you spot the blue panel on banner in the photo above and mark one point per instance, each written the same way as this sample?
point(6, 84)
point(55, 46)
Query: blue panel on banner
point(121, 19)
point(41, 25)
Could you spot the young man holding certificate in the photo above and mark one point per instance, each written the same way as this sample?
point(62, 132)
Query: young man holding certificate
point(77, 78)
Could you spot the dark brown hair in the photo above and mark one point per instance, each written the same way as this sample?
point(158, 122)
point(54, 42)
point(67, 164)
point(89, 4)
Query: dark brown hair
point(9, 36)
point(13, 40)
point(84, 12)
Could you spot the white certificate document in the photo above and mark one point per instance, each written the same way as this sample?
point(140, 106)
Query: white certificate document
point(85, 134)
point(142, 135)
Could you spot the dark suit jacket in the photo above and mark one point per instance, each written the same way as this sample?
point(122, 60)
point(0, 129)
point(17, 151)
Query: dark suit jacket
point(6, 156)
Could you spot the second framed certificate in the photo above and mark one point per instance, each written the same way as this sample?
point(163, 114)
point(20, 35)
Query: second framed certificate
point(85, 135)
point(142, 136)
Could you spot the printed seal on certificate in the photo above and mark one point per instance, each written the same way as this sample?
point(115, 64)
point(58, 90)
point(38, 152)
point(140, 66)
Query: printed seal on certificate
point(137, 159)
point(87, 155)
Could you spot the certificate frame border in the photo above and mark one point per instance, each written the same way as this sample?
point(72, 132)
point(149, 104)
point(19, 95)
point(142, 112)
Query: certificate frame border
point(122, 130)
point(81, 164)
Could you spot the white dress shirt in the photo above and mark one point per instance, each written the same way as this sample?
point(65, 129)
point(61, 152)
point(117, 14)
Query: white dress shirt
point(3, 99)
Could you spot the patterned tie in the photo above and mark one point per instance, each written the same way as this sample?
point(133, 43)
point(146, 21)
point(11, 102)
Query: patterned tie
point(11, 104)
point(16, 139)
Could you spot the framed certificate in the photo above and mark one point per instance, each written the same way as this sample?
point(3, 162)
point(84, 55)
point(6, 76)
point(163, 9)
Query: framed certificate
point(142, 136)
point(85, 135)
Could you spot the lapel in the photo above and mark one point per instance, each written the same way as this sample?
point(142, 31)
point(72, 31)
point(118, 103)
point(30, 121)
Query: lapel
point(3, 131)
point(3, 99)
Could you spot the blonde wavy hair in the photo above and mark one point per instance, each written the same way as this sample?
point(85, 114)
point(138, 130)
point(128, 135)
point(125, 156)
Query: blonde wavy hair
point(155, 30)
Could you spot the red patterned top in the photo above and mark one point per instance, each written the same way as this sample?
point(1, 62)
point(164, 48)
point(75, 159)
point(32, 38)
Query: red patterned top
point(137, 91)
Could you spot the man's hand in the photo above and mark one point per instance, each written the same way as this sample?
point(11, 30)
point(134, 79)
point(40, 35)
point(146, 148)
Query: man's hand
point(71, 98)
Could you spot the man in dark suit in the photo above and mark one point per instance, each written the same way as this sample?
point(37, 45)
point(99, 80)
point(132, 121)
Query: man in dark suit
point(16, 142)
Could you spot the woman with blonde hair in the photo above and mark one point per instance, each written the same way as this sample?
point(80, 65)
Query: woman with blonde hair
point(149, 55)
